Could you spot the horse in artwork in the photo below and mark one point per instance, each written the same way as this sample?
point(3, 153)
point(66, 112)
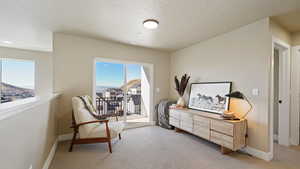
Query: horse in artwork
point(221, 99)
point(204, 97)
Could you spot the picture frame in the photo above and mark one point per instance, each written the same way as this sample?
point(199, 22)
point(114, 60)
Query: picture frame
point(210, 96)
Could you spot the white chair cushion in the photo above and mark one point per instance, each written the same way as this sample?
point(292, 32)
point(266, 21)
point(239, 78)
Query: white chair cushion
point(115, 128)
point(81, 114)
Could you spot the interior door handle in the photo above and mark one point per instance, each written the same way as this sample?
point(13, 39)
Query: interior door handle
point(279, 101)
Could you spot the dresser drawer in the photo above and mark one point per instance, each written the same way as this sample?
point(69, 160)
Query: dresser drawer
point(175, 113)
point(186, 116)
point(174, 122)
point(222, 127)
point(202, 132)
point(186, 126)
point(201, 121)
point(221, 139)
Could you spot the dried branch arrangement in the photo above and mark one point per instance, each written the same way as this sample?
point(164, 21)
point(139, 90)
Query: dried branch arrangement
point(180, 87)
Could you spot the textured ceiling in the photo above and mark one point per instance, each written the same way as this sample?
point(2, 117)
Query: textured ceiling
point(290, 21)
point(182, 23)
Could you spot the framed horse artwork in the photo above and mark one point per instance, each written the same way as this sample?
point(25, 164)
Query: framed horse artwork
point(210, 96)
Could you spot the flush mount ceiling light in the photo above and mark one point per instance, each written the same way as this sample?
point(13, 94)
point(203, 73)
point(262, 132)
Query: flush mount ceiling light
point(150, 24)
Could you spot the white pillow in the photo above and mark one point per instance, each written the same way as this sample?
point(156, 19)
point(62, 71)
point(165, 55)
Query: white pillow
point(89, 104)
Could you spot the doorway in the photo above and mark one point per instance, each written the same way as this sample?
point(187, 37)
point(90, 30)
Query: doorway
point(285, 97)
point(123, 89)
point(280, 88)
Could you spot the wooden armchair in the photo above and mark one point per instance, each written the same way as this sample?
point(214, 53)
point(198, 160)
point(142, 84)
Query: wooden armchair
point(90, 129)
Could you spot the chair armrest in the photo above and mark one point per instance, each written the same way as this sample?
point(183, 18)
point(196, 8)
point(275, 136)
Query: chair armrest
point(95, 121)
point(89, 122)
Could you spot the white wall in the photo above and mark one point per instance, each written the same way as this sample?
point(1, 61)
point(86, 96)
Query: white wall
point(73, 68)
point(295, 100)
point(27, 137)
point(241, 56)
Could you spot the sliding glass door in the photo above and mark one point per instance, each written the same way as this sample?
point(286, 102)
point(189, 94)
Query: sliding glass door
point(109, 89)
point(120, 91)
point(135, 111)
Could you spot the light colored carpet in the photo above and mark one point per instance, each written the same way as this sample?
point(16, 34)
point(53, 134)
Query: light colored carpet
point(157, 148)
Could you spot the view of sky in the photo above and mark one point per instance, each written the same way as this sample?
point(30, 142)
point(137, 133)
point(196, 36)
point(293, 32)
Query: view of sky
point(112, 74)
point(18, 73)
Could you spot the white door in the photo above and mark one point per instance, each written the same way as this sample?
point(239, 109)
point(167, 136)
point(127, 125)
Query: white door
point(284, 97)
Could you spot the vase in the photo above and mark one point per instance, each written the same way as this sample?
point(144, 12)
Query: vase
point(181, 102)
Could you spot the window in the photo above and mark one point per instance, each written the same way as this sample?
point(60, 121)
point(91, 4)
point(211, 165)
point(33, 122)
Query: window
point(17, 79)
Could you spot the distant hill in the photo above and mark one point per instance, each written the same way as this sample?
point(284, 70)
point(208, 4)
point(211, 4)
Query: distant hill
point(9, 87)
point(102, 88)
point(136, 83)
point(10, 92)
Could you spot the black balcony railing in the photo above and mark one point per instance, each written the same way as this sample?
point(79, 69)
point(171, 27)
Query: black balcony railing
point(108, 107)
point(114, 106)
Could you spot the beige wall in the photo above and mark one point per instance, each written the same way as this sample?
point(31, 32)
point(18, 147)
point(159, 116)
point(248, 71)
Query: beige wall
point(280, 33)
point(296, 39)
point(241, 56)
point(73, 68)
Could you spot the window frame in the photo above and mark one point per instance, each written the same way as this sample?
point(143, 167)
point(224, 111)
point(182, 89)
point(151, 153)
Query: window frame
point(18, 102)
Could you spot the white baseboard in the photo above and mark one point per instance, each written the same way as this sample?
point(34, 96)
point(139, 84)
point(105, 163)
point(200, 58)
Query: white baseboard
point(267, 156)
point(65, 137)
point(50, 155)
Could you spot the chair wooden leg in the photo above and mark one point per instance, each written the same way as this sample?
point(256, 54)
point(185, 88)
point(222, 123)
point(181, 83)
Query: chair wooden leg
point(71, 147)
point(120, 136)
point(72, 142)
point(109, 146)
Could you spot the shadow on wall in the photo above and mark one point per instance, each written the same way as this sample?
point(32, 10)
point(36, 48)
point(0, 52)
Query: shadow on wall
point(64, 114)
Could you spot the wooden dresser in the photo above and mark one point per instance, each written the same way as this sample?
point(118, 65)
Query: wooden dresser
point(229, 134)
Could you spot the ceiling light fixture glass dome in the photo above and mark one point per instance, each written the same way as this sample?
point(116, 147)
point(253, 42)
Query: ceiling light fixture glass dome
point(150, 24)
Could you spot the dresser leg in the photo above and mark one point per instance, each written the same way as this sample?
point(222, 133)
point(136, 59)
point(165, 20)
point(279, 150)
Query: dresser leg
point(225, 150)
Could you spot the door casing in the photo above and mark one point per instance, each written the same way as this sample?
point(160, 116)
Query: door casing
point(275, 43)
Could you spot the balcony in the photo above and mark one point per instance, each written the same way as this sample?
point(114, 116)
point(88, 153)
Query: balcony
point(108, 107)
